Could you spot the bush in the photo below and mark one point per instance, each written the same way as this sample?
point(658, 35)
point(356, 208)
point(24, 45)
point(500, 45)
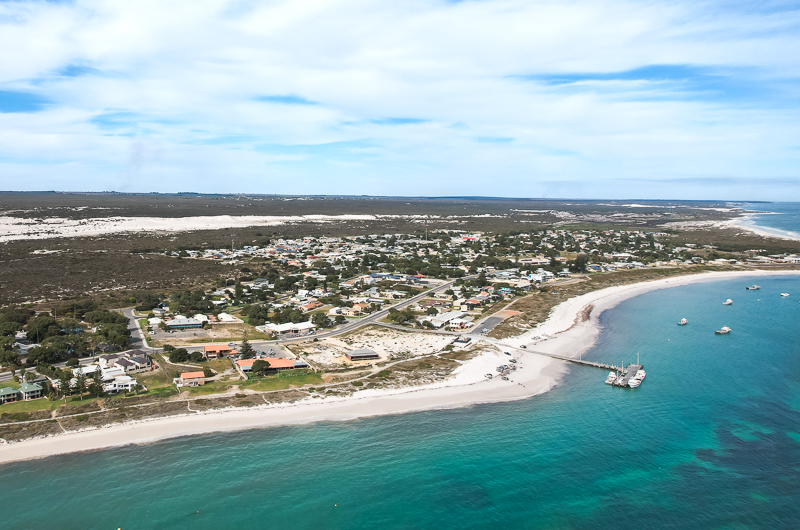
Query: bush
point(197, 357)
point(169, 347)
point(179, 356)
point(73, 362)
point(207, 372)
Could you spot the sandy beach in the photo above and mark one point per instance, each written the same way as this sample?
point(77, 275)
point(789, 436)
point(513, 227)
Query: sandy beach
point(747, 222)
point(564, 333)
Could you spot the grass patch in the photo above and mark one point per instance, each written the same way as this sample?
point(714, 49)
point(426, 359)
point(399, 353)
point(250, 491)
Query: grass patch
point(12, 384)
point(30, 406)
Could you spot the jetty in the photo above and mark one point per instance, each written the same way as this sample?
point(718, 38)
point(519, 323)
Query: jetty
point(593, 364)
point(629, 372)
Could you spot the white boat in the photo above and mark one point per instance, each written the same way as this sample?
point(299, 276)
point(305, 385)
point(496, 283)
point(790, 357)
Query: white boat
point(727, 302)
point(612, 376)
point(633, 383)
point(640, 375)
point(682, 322)
point(724, 331)
point(784, 295)
point(753, 288)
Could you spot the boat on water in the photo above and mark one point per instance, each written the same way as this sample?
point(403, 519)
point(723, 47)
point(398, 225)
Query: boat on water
point(633, 383)
point(682, 322)
point(612, 376)
point(727, 302)
point(640, 375)
point(785, 295)
point(753, 288)
point(724, 331)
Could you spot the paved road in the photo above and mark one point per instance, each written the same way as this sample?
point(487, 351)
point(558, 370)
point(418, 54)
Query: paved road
point(487, 324)
point(347, 328)
point(137, 334)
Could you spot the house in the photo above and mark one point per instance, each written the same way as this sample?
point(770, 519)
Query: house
point(351, 311)
point(225, 318)
point(108, 374)
point(362, 355)
point(192, 379)
point(310, 306)
point(87, 371)
point(30, 391)
point(290, 328)
point(217, 351)
point(275, 364)
point(183, 323)
point(122, 383)
point(9, 394)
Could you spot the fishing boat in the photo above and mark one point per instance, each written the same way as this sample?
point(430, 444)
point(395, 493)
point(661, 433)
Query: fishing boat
point(682, 322)
point(753, 288)
point(784, 295)
point(724, 331)
point(633, 383)
point(727, 302)
point(612, 376)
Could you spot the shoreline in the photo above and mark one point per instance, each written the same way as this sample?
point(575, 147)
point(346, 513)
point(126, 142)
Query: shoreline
point(563, 333)
point(747, 222)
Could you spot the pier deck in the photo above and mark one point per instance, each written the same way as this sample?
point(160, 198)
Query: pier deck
point(630, 371)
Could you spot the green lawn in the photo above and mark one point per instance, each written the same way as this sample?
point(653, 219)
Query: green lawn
point(12, 384)
point(41, 404)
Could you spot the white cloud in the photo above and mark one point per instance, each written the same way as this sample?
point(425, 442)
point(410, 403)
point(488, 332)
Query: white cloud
point(177, 84)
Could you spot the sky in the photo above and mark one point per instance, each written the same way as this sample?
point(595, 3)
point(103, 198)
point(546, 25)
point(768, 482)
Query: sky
point(570, 99)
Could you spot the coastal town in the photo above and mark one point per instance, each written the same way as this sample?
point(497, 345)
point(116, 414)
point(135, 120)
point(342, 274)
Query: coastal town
point(317, 318)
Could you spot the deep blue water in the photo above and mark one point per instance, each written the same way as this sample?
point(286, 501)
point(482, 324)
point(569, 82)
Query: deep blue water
point(784, 219)
point(710, 440)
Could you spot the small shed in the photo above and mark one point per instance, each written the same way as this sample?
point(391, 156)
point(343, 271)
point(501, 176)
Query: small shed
point(362, 355)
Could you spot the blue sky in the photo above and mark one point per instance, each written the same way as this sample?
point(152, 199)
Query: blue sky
point(584, 99)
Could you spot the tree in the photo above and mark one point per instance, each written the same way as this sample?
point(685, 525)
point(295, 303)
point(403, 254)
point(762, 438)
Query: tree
point(10, 360)
point(80, 384)
point(9, 329)
point(260, 366)
point(179, 355)
point(73, 362)
point(96, 386)
point(246, 350)
point(207, 372)
point(340, 319)
point(320, 320)
point(63, 386)
point(196, 356)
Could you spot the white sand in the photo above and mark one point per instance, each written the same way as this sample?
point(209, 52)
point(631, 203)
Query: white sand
point(468, 386)
point(748, 223)
point(15, 228)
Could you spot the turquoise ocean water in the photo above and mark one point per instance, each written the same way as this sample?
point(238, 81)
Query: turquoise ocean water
point(784, 218)
point(710, 440)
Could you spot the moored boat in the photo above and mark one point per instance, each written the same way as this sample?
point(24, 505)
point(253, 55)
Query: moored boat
point(724, 331)
point(633, 383)
point(612, 376)
point(753, 288)
point(727, 302)
point(784, 295)
point(682, 322)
